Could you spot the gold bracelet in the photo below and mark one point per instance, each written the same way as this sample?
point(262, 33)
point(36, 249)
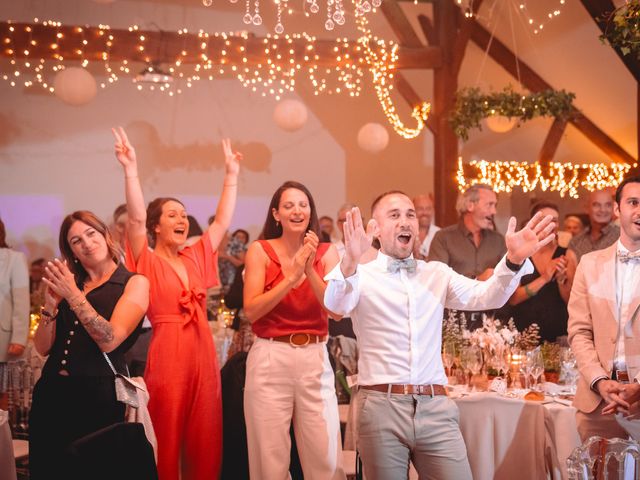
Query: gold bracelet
point(75, 307)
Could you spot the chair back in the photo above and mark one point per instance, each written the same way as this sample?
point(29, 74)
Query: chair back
point(605, 459)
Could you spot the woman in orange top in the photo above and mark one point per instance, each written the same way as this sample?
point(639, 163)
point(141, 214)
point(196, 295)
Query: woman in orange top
point(182, 371)
point(288, 371)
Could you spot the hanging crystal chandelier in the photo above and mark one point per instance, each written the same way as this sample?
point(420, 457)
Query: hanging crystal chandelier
point(335, 11)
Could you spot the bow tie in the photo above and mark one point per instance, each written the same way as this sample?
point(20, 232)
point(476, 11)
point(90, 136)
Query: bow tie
point(409, 264)
point(626, 257)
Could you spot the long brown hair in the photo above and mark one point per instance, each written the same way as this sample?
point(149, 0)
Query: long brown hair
point(154, 212)
point(94, 222)
point(272, 229)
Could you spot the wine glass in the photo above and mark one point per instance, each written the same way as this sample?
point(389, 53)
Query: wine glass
point(471, 359)
point(449, 352)
point(536, 366)
point(524, 368)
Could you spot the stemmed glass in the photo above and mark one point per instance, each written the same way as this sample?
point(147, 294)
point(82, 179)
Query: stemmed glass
point(471, 360)
point(524, 367)
point(449, 352)
point(568, 360)
point(536, 366)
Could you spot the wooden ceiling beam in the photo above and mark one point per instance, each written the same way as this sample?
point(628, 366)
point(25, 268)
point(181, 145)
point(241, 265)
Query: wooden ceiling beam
point(462, 39)
point(535, 83)
point(167, 47)
point(404, 88)
point(400, 25)
point(550, 146)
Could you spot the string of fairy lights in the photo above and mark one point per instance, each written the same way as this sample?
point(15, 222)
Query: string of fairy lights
point(283, 59)
point(564, 178)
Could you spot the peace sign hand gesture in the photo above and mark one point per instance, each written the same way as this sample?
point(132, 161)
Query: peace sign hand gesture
point(125, 153)
point(231, 159)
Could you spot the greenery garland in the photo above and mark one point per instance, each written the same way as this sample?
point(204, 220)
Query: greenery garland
point(623, 28)
point(472, 106)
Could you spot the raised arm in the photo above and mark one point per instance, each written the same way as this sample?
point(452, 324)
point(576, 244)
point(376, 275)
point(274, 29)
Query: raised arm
point(227, 204)
point(357, 241)
point(136, 211)
point(107, 333)
point(257, 302)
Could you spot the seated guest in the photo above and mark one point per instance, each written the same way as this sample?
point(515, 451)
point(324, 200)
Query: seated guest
point(36, 286)
point(231, 256)
point(93, 305)
point(542, 295)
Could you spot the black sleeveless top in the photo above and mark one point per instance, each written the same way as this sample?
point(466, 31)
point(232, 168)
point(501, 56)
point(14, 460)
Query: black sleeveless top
point(74, 350)
point(546, 308)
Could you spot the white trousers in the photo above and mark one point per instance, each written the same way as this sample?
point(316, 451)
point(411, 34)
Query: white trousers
point(285, 383)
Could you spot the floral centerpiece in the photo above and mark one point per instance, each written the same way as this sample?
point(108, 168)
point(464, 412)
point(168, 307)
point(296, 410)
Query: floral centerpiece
point(495, 339)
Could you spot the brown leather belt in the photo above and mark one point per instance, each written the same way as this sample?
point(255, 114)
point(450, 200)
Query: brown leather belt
point(430, 390)
point(299, 339)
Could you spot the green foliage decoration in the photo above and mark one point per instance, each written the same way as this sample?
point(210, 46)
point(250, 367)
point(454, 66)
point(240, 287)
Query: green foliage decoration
point(472, 106)
point(623, 28)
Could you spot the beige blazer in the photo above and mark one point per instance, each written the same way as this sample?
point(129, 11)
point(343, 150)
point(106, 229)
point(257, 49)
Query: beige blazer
point(593, 324)
point(14, 300)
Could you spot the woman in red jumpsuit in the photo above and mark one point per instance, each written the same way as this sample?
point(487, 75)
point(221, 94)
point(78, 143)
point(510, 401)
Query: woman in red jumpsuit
point(182, 371)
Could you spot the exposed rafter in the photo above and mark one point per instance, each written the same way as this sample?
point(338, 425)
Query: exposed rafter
point(535, 83)
point(167, 47)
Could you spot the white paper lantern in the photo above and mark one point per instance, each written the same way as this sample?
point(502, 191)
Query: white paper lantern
point(290, 115)
point(373, 138)
point(75, 86)
point(500, 123)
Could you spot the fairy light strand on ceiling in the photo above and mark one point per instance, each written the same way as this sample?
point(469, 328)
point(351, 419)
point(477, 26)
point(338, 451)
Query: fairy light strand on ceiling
point(277, 62)
point(382, 60)
point(564, 178)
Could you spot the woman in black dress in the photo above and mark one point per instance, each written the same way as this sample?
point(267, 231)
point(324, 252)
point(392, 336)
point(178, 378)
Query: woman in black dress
point(542, 295)
point(92, 305)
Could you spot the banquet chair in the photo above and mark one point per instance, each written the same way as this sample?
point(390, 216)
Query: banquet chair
point(605, 459)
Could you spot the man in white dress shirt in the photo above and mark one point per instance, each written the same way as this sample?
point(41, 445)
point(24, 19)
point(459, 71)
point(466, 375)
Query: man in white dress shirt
point(396, 304)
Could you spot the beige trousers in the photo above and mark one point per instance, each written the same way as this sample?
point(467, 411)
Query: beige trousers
point(394, 430)
point(285, 383)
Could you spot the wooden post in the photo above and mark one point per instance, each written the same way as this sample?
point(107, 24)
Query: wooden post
point(446, 142)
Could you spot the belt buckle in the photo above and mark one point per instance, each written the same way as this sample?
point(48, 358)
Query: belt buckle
point(295, 345)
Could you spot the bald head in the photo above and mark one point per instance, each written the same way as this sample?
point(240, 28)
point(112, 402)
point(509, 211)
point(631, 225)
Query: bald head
point(424, 210)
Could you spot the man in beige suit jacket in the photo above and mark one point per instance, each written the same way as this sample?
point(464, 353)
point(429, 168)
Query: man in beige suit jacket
point(604, 297)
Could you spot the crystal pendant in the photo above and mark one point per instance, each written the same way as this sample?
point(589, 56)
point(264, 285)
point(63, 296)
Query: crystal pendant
point(340, 20)
point(314, 8)
point(376, 3)
point(329, 24)
point(366, 6)
point(257, 19)
point(279, 28)
point(207, 3)
point(247, 18)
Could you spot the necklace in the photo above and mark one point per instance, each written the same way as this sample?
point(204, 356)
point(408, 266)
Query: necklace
point(91, 284)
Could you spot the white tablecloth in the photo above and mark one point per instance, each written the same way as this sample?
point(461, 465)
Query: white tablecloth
point(509, 438)
point(7, 460)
